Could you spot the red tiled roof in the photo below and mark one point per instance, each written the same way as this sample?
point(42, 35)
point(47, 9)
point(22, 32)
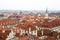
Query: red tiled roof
point(8, 21)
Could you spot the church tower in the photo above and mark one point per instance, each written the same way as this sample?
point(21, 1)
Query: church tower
point(46, 13)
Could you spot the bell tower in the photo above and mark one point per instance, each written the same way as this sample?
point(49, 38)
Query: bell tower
point(46, 13)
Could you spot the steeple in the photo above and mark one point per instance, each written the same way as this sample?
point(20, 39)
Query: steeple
point(46, 10)
point(46, 13)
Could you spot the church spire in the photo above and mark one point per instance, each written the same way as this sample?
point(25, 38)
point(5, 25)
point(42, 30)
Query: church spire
point(46, 10)
point(46, 15)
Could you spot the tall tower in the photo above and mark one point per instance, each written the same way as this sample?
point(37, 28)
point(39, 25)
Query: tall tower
point(46, 13)
point(46, 10)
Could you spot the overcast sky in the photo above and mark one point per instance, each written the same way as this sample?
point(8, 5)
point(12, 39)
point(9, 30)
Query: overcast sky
point(29, 4)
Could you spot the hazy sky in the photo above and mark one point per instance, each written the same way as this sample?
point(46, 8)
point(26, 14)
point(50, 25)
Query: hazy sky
point(29, 4)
